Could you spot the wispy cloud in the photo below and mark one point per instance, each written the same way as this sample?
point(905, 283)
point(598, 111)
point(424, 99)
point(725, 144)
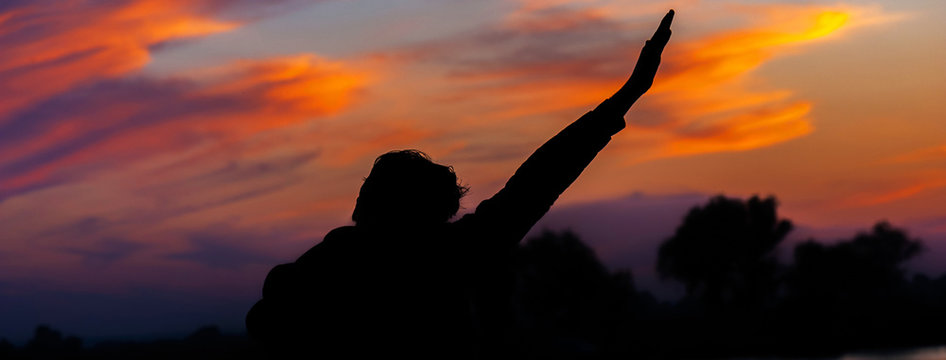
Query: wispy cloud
point(76, 102)
point(902, 192)
point(930, 154)
point(713, 99)
point(112, 164)
point(708, 98)
point(915, 173)
point(51, 47)
point(117, 121)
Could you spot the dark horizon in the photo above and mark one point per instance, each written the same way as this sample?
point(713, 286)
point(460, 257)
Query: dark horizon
point(567, 246)
point(648, 221)
point(557, 269)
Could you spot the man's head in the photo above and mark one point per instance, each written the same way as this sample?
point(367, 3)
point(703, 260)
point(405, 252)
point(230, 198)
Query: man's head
point(406, 187)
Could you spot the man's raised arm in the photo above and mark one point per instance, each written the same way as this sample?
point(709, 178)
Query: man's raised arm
point(508, 215)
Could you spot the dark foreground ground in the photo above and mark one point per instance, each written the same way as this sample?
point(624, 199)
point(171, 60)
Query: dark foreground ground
point(210, 343)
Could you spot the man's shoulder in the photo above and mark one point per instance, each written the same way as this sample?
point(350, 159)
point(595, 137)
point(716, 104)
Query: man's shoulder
point(330, 242)
point(339, 233)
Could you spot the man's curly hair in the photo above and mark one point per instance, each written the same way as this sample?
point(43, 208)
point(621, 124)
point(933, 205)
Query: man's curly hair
point(406, 186)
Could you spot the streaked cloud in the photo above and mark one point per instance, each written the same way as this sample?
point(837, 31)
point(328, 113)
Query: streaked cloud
point(714, 100)
point(908, 176)
point(930, 154)
point(901, 193)
point(53, 46)
point(547, 58)
point(115, 121)
point(103, 166)
point(228, 250)
point(106, 251)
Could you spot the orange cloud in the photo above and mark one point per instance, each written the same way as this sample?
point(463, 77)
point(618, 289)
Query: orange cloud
point(548, 59)
point(913, 181)
point(937, 153)
point(122, 120)
point(49, 48)
point(284, 90)
point(750, 130)
point(708, 91)
point(74, 102)
point(902, 193)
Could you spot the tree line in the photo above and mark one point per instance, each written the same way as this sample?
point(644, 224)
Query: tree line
point(851, 295)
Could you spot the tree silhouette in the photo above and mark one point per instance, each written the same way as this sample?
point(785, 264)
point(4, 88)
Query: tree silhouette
point(568, 303)
point(6, 349)
point(857, 290)
point(724, 252)
point(870, 264)
point(49, 343)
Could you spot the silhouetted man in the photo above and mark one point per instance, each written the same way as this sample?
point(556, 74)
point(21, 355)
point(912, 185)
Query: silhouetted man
point(404, 280)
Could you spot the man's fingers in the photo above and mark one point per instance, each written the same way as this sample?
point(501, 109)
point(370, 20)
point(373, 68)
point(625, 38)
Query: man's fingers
point(650, 54)
point(642, 78)
point(656, 44)
point(665, 22)
point(662, 35)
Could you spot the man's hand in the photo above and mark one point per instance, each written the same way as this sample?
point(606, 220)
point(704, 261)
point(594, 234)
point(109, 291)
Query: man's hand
point(643, 76)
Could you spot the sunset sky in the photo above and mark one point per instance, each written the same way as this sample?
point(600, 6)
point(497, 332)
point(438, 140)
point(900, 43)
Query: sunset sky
point(158, 157)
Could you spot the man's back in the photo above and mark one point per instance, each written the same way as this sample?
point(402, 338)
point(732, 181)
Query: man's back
point(364, 291)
